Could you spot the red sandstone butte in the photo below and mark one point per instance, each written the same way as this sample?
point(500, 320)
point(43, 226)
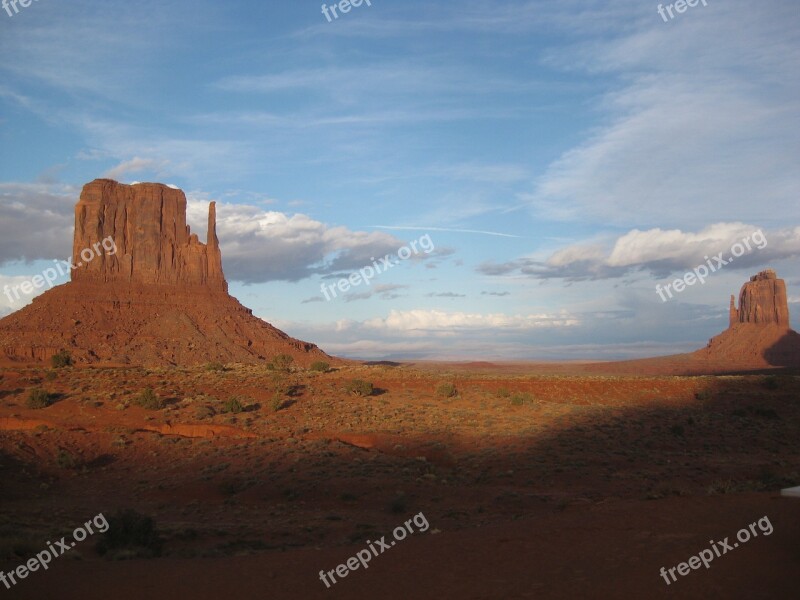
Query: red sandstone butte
point(160, 299)
point(759, 334)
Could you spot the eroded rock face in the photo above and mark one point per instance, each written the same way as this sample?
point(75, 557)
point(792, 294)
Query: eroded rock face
point(147, 223)
point(762, 300)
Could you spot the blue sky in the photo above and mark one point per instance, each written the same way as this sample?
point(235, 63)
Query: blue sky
point(612, 151)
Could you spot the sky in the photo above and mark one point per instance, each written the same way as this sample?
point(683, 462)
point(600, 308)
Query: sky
point(552, 162)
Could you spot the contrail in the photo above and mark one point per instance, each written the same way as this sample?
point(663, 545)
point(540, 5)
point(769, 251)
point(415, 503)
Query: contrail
point(447, 229)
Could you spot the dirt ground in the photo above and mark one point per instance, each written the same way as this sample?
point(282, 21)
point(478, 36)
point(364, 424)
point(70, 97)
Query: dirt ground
point(538, 481)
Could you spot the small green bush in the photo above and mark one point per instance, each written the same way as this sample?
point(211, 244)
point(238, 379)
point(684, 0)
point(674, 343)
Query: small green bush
point(399, 504)
point(215, 366)
point(130, 535)
point(503, 393)
point(234, 405)
point(204, 412)
point(359, 387)
point(62, 358)
point(149, 400)
point(320, 366)
point(66, 460)
point(446, 390)
point(281, 362)
point(520, 398)
point(39, 398)
point(677, 430)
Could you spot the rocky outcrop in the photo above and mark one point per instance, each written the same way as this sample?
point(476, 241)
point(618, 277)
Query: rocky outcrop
point(157, 296)
point(151, 241)
point(762, 300)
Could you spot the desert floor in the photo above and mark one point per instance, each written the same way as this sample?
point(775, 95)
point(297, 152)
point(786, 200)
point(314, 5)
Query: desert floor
point(534, 485)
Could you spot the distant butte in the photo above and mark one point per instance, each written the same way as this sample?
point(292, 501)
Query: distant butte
point(759, 334)
point(160, 299)
point(758, 338)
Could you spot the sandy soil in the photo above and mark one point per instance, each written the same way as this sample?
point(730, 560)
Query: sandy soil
point(552, 485)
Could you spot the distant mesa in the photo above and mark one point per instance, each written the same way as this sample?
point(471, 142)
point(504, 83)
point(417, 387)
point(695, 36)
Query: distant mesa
point(160, 299)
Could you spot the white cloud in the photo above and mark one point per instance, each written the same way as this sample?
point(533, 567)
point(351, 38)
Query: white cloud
point(426, 321)
point(658, 251)
point(703, 126)
point(135, 165)
point(36, 221)
point(259, 245)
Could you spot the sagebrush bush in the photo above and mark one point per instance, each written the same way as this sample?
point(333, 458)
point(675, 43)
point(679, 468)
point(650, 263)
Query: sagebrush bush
point(320, 366)
point(39, 398)
point(520, 398)
point(149, 399)
point(359, 387)
point(62, 358)
point(446, 390)
point(130, 535)
point(281, 362)
point(233, 405)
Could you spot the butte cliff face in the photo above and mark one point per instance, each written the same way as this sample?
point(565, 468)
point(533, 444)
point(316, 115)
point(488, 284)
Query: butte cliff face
point(762, 300)
point(154, 245)
point(159, 298)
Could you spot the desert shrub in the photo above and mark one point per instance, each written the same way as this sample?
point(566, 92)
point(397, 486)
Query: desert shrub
point(281, 362)
point(39, 398)
point(446, 390)
point(233, 405)
point(149, 400)
point(765, 413)
point(520, 398)
point(320, 366)
point(703, 395)
point(277, 402)
point(215, 366)
point(771, 382)
point(503, 393)
point(359, 387)
point(280, 383)
point(66, 460)
point(204, 412)
point(62, 358)
point(677, 430)
point(50, 375)
point(399, 504)
point(130, 535)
